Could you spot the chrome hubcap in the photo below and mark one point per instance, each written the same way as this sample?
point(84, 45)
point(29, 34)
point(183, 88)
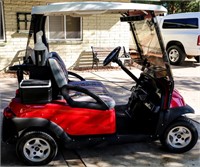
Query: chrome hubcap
point(173, 55)
point(179, 137)
point(36, 149)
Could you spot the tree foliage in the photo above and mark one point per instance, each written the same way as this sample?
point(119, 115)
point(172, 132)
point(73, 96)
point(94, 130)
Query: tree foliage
point(175, 6)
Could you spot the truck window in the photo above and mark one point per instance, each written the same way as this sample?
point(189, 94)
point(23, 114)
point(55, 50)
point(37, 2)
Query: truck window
point(189, 23)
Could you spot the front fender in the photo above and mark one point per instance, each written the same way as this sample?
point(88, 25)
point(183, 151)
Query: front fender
point(176, 112)
point(177, 100)
point(171, 115)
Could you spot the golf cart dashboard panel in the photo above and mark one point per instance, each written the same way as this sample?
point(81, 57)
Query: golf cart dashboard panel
point(146, 99)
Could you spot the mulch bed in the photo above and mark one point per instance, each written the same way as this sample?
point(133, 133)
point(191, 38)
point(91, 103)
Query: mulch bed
point(7, 75)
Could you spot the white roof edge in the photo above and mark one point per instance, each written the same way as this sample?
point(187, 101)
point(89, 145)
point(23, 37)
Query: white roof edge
point(82, 8)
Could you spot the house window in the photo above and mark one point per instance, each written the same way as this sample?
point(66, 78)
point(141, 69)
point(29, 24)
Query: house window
point(23, 21)
point(64, 28)
point(2, 30)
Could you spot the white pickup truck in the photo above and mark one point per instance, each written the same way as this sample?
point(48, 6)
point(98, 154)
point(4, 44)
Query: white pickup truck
point(181, 36)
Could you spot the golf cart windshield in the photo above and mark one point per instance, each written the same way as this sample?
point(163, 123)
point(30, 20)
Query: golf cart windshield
point(146, 48)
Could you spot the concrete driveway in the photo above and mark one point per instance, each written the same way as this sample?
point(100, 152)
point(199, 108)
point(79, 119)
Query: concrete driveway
point(187, 81)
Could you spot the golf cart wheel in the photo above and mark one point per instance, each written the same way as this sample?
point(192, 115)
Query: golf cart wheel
point(176, 55)
point(36, 148)
point(180, 136)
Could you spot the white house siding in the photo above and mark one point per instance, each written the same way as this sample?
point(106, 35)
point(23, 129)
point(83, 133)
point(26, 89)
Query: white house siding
point(98, 30)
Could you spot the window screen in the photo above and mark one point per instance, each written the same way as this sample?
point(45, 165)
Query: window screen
point(73, 28)
point(56, 27)
point(64, 27)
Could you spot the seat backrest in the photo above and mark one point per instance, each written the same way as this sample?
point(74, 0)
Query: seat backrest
point(61, 63)
point(59, 74)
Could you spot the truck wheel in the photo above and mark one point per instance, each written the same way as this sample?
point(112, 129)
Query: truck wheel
point(197, 58)
point(180, 136)
point(176, 55)
point(36, 148)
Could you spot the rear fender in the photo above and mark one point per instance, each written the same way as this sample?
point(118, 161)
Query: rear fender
point(22, 124)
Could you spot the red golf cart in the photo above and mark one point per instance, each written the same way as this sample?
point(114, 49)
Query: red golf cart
point(51, 109)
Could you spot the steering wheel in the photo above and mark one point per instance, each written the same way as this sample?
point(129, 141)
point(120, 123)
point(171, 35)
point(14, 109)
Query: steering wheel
point(112, 56)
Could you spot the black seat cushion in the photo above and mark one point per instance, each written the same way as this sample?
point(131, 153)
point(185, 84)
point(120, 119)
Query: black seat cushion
point(86, 99)
point(62, 83)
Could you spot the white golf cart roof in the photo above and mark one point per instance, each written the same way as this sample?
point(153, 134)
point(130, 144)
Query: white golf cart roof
point(89, 8)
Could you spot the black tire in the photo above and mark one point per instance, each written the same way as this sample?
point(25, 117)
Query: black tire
point(176, 55)
point(180, 136)
point(36, 148)
point(197, 58)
